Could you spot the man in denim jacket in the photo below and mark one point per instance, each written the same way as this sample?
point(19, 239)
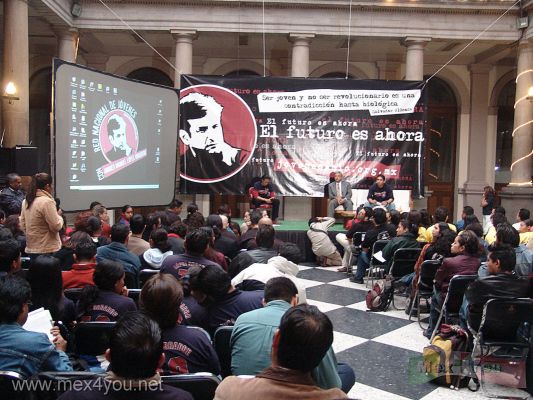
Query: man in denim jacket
point(22, 351)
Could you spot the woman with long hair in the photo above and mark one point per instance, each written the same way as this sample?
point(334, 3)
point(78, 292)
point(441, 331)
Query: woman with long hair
point(40, 219)
point(108, 299)
point(65, 255)
point(212, 254)
point(13, 224)
point(44, 276)
point(126, 214)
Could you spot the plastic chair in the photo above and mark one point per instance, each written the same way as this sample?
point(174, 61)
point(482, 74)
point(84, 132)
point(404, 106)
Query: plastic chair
point(497, 335)
point(403, 263)
point(146, 274)
point(424, 286)
point(221, 342)
point(92, 338)
point(201, 386)
point(376, 268)
point(453, 300)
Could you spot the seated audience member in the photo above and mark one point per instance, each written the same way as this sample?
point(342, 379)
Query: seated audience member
point(2, 217)
point(263, 193)
point(285, 264)
point(465, 262)
point(346, 239)
point(195, 221)
point(5, 234)
point(187, 349)
point(304, 337)
point(12, 196)
point(44, 276)
point(65, 255)
point(460, 225)
point(526, 231)
point(477, 228)
point(501, 282)
point(10, 262)
point(441, 215)
point(196, 243)
point(380, 194)
point(94, 229)
point(135, 354)
point(265, 220)
point(246, 222)
point(191, 209)
point(339, 194)
point(155, 220)
point(136, 244)
point(522, 215)
point(223, 244)
point(251, 232)
point(13, 224)
point(82, 270)
point(406, 234)
point(321, 244)
point(126, 214)
point(117, 250)
point(22, 351)
point(212, 254)
point(158, 251)
point(381, 231)
point(251, 339)
point(487, 206)
point(176, 237)
point(100, 212)
point(507, 235)
point(108, 299)
point(261, 254)
point(173, 211)
point(211, 287)
point(232, 230)
point(496, 219)
point(394, 217)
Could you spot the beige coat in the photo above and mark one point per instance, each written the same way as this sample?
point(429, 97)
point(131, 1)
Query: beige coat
point(42, 224)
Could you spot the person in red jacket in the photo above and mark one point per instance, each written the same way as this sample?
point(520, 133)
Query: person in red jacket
point(82, 271)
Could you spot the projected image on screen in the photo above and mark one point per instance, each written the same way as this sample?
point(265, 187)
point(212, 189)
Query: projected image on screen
point(115, 139)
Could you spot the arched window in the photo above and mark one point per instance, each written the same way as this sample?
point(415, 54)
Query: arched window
point(40, 107)
point(504, 129)
point(151, 75)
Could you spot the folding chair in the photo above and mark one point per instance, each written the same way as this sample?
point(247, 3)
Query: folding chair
point(497, 335)
point(134, 294)
point(424, 286)
point(73, 294)
point(453, 300)
point(92, 338)
point(376, 268)
point(403, 263)
point(8, 380)
point(146, 274)
point(221, 342)
point(201, 385)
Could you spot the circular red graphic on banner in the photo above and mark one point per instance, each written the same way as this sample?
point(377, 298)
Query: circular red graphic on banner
point(118, 135)
point(217, 134)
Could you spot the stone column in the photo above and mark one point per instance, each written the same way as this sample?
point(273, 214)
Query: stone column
point(477, 169)
point(519, 193)
point(300, 54)
point(16, 69)
point(67, 44)
point(183, 53)
point(414, 58)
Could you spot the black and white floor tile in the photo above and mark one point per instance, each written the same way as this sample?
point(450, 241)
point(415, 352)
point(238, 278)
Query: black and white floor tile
point(383, 348)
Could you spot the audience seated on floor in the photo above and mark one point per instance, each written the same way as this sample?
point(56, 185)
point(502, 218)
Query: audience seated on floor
point(264, 251)
point(304, 337)
point(441, 215)
point(136, 244)
point(159, 250)
point(82, 270)
point(108, 300)
point(10, 262)
point(507, 235)
point(211, 287)
point(501, 282)
point(117, 250)
point(135, 353)
point(285, 264)
point(465, 261)
point(22, 351)
point(251, 339)
point(187, 349)
point(321, 244)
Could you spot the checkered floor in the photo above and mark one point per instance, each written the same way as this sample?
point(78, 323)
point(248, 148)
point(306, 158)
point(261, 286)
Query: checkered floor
point(380, 347)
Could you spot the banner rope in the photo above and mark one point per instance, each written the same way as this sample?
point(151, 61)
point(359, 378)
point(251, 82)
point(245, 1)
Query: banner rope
point(264, 41)
point(349, 39)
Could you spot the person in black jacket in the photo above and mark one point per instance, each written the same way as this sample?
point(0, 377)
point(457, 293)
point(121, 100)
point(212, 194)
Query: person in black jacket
point(12, 195)
point(501, 283)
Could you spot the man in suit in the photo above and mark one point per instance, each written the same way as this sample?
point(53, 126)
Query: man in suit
point(340, 194)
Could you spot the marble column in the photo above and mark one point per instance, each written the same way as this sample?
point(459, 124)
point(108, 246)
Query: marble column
point(15, 116)
point(414, 57)
point(476, 178)
point(183, 53)
point(519, 192)
point(300, 54)
point(67, 44)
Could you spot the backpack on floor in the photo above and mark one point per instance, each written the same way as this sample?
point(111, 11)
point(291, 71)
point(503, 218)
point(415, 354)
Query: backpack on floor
point(380, 297)
point(447, 360)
